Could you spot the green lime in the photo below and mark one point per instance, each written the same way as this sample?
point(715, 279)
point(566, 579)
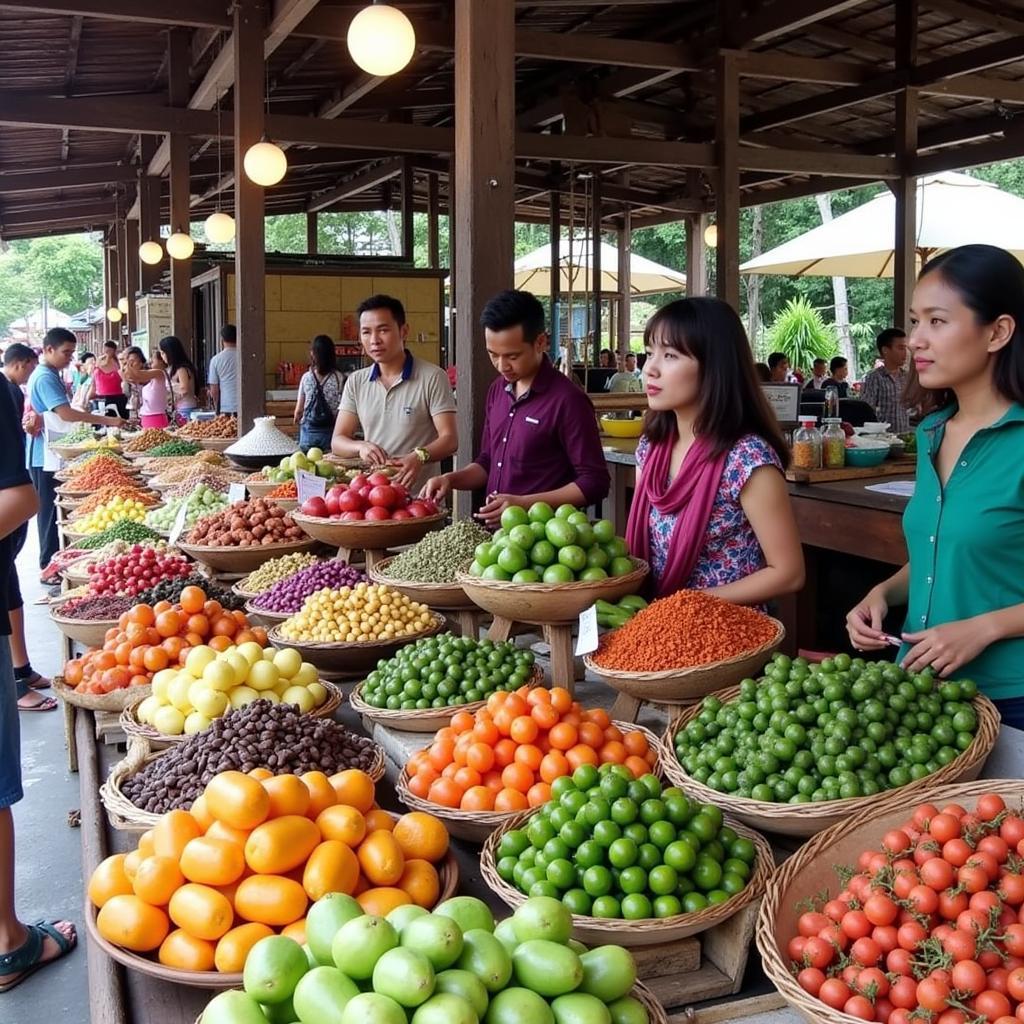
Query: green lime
point(539, 831)
point(604, 530)
point(693, 901)
point(562, 785)
point(512, 558)
point(543, 552)
point(556, 573)
point(621, 567)
point(560, 872)
point(614, 786)
point(597, 880)
point(637, 832)
point(593, 575)
point(514, 516)
point(589, 853)
point(577, 901)
point(637, 907)
point(633, 879)
point(606, 906)
point(662, 833)
point(573, 556)
point(624, 811)
point(717, 896)
point(586, 776)
point(495, 572)
point(513, 843)
point(662, 880)
point(744, 850)
point(544, 888)
point(606, 832)
point(681, 856)
point(596, 809)
point(526, 576)
point(522, 537)
point(572, 834)
point(735, 866)
point(733, 884)
point(649, 856)
point(565, 510)
point(555, 849)
point(540, 512)
point(505, 868)
point(560, 533)
point(667, 906)
point(622, 853)
point(486, 554)
point(707, 873)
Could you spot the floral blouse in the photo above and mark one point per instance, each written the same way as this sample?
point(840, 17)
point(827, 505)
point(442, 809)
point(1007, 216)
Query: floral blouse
point(731, 551)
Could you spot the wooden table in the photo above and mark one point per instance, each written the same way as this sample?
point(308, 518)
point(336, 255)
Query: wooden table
point(620, 455)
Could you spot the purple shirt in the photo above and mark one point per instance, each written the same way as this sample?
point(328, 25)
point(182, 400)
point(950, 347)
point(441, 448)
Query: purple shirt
point(544, 440)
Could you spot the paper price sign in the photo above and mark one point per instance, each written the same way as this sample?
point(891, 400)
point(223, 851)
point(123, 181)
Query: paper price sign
point(586, 641)
point(309, 485)
point(236, 492)
point(179, 524)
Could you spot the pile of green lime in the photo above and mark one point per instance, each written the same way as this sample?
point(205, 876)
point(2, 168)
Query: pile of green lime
point(607, 845)
point(544, 545)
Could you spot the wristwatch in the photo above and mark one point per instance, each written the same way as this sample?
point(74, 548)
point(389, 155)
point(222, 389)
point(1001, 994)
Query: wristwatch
point(422, 454)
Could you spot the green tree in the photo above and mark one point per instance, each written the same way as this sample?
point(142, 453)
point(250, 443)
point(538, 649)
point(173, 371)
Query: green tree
point(66, 269)
point(800, 331)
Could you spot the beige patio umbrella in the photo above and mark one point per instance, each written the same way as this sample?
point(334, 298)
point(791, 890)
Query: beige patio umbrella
point(952, 209)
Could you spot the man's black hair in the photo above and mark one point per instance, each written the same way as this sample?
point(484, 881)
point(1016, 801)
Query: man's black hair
point(388, 302)
point(514, 308)
point(838, 362)
point(887, 337)
point(229, 333)
point(57, 336)
point(775, 358)
point(18, 353)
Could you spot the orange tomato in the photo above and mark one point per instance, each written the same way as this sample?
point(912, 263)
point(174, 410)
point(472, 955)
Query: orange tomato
point(530, 755)
point(637, 765)
point(462, 721)
point(466, 778)
point(613, 733)
point(477, 798)
point(419, 785)
point(480, 757)
point(524, 729)
point(492, 780)
point(539, 793)
point(246, 636)
point(581, 754)
point(598, 716)
point(485, 731)
point(504, 753)
point(517, 776)
point(168, 623)
point(441, 754)
point(613, 752)
point(591, 734)
point(538, 695)
point(198, 623)
point(561, 699)
point(635, 743)
point(544, 715)
point(445, 792)
point(192, 600)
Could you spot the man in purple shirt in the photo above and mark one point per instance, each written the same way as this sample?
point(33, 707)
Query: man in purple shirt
point(540, 438)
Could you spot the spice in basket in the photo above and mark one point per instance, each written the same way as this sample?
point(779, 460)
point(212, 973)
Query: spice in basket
point(89, 608)
point(439, 556)
point(219, 428)
point(289, 489)
point(276, 569)
point(105, 454)
point(288, 595)
point(360, 614)
point(174, 447)
point(95, 475)
point(189, 473)
point(125, 529)
point(111, 491)
point(684, 630)
point(147, 439)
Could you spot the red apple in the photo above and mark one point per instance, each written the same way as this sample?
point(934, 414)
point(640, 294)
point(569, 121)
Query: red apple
point(417, 509)
point(401, 513)
point(350, 501)
point(358, 481)
point(375, 512)
point(364, 493)
point(315, 506)
point(351, 517)
point(384, 496)
point(333, 500)
point(430, 505)
point(378, 479)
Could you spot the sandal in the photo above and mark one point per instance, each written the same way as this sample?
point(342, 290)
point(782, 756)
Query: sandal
point(46, 704)
point(27, 958)
point(38, 682)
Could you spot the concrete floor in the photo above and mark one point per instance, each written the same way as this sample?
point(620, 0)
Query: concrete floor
point(49, 863)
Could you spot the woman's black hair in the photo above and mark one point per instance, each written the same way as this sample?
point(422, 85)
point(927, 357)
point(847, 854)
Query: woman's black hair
point(731, 400)
point(324, 357)
point(176, 356)
point(110, 344)
point(989, 281)
point(136, 351)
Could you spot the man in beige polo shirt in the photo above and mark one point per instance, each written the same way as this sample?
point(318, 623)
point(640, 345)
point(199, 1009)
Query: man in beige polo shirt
point(404, 406)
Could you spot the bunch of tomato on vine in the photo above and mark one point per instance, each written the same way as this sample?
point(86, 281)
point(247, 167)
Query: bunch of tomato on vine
point(929, 929)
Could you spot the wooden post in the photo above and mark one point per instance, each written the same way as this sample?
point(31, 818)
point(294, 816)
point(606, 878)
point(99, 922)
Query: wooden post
point(131, 264)
point(149, 213)
point(115, 271)
point(178, 55)
point(108, 282)
point(311, 235)
point(433, 223)
point(484, 195)
point(905, 189)
point(121, 234)
point(727, 183)
point(595, 263)
point(696, 251)
point(625, 286)
point(408, 212)
point(250, 258)
point(555, 281)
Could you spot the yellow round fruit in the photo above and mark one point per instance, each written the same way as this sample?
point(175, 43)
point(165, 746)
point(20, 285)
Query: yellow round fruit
point(197, 660)
point(251, 651)
point(242, 695)
point(318, 692)
point(307, 675)
point(301, 696)
point(240, 664)
point(196, 722)
point(177, 692)
point(146, 708)
point(169, 720)
point(211, 703)
point(263, 676)
point(219, 675)
point(161, 681)
point(288, 662)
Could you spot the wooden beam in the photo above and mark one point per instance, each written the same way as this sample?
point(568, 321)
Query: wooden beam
point(408, 206)
point(625, 247)
point(1009, 147)
point(362, 85)
point(371, 177)
point(854, 165)
point(555, 268)
point(589, 149)
point(433, 222)
point(976, 14)
point(789, 68)
point(727, 181)
point(193, 13)
point(905, 189)
point(66, 178)
point(86, 214)
point(979, 87)
point(312, 238)
point(131, 271)
point(149, 214)
point(484, 175)
point(595, 264)
point(181, 270)
point(785, 16)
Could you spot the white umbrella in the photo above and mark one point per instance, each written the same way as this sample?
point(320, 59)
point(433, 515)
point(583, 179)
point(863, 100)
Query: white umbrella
point(533, 271)
point(952, 209)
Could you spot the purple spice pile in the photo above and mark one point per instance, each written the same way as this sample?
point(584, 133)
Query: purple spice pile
point(288, 594)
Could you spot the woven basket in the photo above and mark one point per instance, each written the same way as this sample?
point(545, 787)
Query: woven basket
point(373, 535)
point(476, 826)
point(262, 617)
point(810, 819)
point(448, 597)
point(67, 452)
point(75, 573)
point(425, 719)
point(259, 488)
point(131, 725)
point(548, 603)
point(237, 559)
point(352, 658)
point(126, 817)
point(116, 700)
point(684, 685)
point(89, 632)
point(649, 931)
point(236, 588)
point(810, 870)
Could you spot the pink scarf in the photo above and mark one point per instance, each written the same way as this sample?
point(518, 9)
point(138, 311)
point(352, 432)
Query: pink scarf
point(689, 497)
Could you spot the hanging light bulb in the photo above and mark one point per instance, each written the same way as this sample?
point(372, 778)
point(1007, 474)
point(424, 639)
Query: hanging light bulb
point(265, 163)
point(180, 246)
point(711, 236)
point(381, 40)
point(122, 305)
point(151, 253)
point(114, 315)
point(219, 227)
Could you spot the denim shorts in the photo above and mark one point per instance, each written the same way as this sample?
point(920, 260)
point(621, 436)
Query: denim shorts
point(10, 731)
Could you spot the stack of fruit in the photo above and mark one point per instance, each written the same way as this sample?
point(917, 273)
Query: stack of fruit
point(364, 613)
point(102, 517)
point(312, 462)
point(373, 498)
point(540, 544)
point(249, 856)
point(453, 966)
point(136, 570)
point(202, 501)
point(125, 491)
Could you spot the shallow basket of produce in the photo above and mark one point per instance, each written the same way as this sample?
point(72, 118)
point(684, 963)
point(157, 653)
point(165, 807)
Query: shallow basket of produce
point(548, 603)
point(241, 559)
point(684, 685)
point(796, 884)
point(68, 451)
point(373, 535)
point(77, 573)
point(425, 719)
point(237, 588)
point(645, 931)
point(90, 632)
point(263, 617)
point(809, 819)
point(448, 597)
point(115, 701)
point(260, 488)
point(351, 658)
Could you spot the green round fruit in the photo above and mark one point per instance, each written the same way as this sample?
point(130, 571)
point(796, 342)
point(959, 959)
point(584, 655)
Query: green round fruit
point(565, 510)
point(628, 1010)
point(273, 968)
point(573, 556)
point(547, 968)
point(609, 972)
point(580, 1008)
point(514, 516)
point(404, 976)
point(445, 1008)
point(512, 558)
point(540, 512)
point(438, 938)
point(324, 919)
point(466, 985)
point(360, 943)
point(322, 995)
point(620, 566)
point(558, 573)
point(506, 935)
point(542, 917)
point(373, 1008)
point(467, 912)
point(234, 1007)
point(522, 536)
point(401, 916)
point(485, 956)
point(560, 533)
point(518, 1006)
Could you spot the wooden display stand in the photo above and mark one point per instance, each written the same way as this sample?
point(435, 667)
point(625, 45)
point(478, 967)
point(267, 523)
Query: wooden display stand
point(557, 636)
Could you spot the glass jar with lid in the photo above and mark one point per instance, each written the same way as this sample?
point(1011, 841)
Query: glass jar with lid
point(833, 444)
point(807, 444)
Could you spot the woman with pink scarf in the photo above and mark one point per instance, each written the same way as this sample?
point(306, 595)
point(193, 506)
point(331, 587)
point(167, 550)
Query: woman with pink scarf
point(711, 511)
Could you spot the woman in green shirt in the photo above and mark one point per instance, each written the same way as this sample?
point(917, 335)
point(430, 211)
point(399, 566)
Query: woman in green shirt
point(964, 582)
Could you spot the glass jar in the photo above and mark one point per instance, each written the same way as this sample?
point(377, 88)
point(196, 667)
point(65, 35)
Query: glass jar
point(807, 445)
point(833, 443)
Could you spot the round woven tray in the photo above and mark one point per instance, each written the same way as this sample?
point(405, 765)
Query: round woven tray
point(75, 573)
point(476, 826)
point(548, 603)
point(262, 617)
point(810, 819)
point(684, 685)
point(811, 870)
point(448, 597)
point(236, 559)
point(373, 535)
point(425, 719)
point(67, 452)
point(131, 725)
point(259, 488)
point(90, 632)
point(236, 588)
point(352, 658)
point(116, 700)
point(649, 931)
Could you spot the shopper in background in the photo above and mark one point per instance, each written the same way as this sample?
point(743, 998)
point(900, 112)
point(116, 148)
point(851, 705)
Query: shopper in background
point(819, 374)
point(182, 374)
point(223, 375)
point(320, 388)
point(153, 381)
point(82, 392)
point(883, 388)
point(778, 367)
point(839, 370)
point(108, 387)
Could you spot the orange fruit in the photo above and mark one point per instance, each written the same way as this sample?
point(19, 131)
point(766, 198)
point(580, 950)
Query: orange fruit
point(173, 831)
point(524, 729)
point(421, 835)
point(237, 800)
point(233, 947)
point(132, 923)
point(131, 863)
point(637, 765)
point(201, 812)
point(331, 867)
point(281, 844)
point(218, 830)
point(420, 881)
point(613, 751)
point(445, 792)
point(186, 952)
point(635, 743)
point(462, 721)
point(477, 798)
point(379, 821)
point(157, 879)
point(382, 900)
point(212, 861)
point(529, 754)
point(343, 823)
point(581, 754)
point(109, 880)
point(511, 800)
point(504, 753)
point(261, 774)
point(553, 766)
point(192, 600)
point(270, 899)
point(355, 788)
point(563, 736)
point(288, 795)
point(381, 858)
point(480, 757)
point(517, 776)
point(321, 792)
point(219, 643)
point(539, 793)
point(202, 911)
point(168, 623)
point(296, 931)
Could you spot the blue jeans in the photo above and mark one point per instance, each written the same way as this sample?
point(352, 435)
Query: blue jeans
point(313, 437)
point(10, 731)
point(1011, 711)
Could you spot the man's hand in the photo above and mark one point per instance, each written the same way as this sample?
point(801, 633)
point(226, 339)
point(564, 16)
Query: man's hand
point(490, 512)
point(32, 423)
point(948, 647)
point(437, 488)
point(372, 453)
point(408, 467)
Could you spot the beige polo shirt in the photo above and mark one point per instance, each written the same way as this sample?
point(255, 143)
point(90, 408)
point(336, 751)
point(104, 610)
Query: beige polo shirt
point(401, 418)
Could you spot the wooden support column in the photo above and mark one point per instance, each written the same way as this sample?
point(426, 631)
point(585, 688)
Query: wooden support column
point(696, 251)
point(408, 212)
point(625, 287)
point(433, 223)
point(108, 281)
point(555, 281)
point(905, 189)
point(250, 258)
point(596, 208)
point(115, 274)
point(727, 180)
point(149, 214)
point(178, 55)
point(131, 271)
point(311, 236)
point(484, 196)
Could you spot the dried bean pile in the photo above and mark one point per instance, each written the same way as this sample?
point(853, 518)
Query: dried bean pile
point(148, 438)
point(439, 556)
point(276, 569)
point(288, 595)
point(259, 735)
point(220, 427)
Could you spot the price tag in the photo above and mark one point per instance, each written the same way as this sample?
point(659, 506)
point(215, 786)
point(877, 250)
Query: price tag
point(179, 524)
point(586, 641)
point(236, 492)
point(309, 485)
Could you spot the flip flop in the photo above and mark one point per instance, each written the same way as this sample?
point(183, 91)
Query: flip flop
point(27, 958)
point(46, 704)
point(38, 682)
